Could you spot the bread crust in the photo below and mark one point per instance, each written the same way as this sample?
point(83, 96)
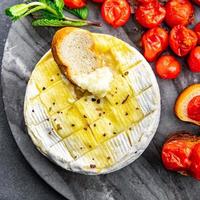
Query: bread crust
point(183, 99)
point(58, 38)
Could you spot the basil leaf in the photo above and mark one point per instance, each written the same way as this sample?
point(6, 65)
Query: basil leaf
point(59, 4)
point(82, 13)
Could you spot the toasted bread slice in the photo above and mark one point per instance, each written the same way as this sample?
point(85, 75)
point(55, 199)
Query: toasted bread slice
point(73, 50)
point(183, 100)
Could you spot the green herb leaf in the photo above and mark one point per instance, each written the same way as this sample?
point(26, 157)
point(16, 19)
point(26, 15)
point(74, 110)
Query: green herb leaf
point(59, 4)
point(16, 11)
point(58, 23)
point(81, 12)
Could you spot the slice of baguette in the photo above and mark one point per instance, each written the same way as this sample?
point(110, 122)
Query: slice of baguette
point(182, 102)
point(72, 49)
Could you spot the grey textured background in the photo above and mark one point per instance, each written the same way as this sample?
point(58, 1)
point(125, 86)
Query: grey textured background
point(145, 179)
point(18, 181)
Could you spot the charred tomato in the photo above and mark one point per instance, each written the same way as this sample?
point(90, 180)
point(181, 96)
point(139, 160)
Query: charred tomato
point(194, 59)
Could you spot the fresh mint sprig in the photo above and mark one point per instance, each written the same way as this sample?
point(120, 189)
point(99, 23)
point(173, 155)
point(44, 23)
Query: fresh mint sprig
point(51, 12)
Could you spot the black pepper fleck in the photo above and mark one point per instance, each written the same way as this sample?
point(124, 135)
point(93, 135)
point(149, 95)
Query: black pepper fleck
point(94, 125)
point(54, 103)
point(126, 113)
point(99, 114)
point(104, 113)
point(90, 146)
point(93, 99)
point(126, 73)
point(116, 103)
point(72, 125)
point(84, 116)
point(137, 108)
point(54, 120)
point(58, 74)
point(92, 166)
point(33, 111)
point(114, 133)
point(43, 88)
point(85, 129)
point(104, 135)
point(98, 101)
point(108, 157)
point(47, 119)
point(110, 124)
point(51, 80)
point(130, 129)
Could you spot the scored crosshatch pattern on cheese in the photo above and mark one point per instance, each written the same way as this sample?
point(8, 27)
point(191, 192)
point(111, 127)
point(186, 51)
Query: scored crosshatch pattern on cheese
point(93, 133)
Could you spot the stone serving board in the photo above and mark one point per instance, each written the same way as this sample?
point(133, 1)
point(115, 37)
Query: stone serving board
point(145, 179)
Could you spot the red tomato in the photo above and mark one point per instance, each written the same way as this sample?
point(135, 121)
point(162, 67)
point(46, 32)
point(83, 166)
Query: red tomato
point(182, 40)
point(176, 152)
point(167, 67)
point(154, 42)
point(116, 12)
point(144, 2)
point(150, 15)
point(197, 31)
point(195, 162)
point(193, 108)
point(179, 12)
point(194, 59)
point(98, 1)
point(75, 3)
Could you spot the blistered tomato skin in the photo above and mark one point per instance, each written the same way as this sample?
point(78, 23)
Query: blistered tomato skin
point(175, 154)
point(193, 108)
point(195, 162)
point(194, 59)
point(154, 42)
point(167, 67)
point(75, 3)
point(150, 15)
point(197, 2)
point(179, 12)
point(197, 31)
point(145, 2)
point(182, 40)
point(116, 12)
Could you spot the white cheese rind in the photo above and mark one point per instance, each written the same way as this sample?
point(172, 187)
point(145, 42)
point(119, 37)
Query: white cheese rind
point(132, 143)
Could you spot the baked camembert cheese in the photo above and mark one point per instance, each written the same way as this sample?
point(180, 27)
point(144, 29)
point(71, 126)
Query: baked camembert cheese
point(92, 104)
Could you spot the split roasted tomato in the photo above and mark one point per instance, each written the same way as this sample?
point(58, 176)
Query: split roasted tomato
point(179, 12)
point(194, 59)
point(193, 108)
point(116, 12)
point(75, 3)
point(176, 152)
point(150, 15)
point(182, 40)
point(197, 31)
point(167, 67)
point(154, 42)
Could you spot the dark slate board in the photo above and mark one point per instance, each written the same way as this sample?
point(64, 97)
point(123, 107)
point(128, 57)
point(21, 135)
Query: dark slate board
point(145, 179)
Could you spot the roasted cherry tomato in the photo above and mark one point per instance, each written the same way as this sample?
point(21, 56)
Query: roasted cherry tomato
point(150, 15)
point(167, 67)
point(195, 162)
point(98, 1)
point(154, 42)
point(179, 12)
point(75, 3)
point(197, 31)
point(193, 108)
point(194, 59)
point(182, 40)
point(116, 12)
point(176, 152)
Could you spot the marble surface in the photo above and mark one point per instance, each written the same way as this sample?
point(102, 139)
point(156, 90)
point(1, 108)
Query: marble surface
point(145, 178)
